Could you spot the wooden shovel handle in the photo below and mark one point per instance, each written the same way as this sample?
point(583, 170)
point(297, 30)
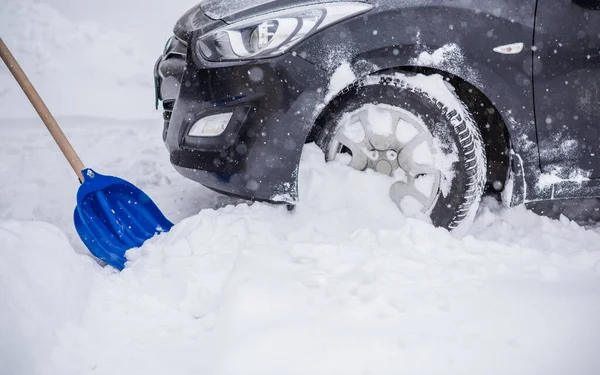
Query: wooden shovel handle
point(37, 102)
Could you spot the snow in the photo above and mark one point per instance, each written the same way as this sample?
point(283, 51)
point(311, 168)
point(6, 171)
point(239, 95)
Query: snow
point(342, 77)
point(507, 192)
point(218, 9)
point(558, 175)
point(79, 54)
point(344, 284)
point(354, 131)
point(381, 121)
point(449, 58)
point(440, 55)
point(445, 163)
point(40, 277)
point(405, 131)
point(423, 154)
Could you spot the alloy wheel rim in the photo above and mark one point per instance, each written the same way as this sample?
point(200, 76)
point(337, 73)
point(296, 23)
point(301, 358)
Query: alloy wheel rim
point(387, 146)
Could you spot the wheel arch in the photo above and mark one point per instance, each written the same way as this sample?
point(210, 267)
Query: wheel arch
point(492, 124)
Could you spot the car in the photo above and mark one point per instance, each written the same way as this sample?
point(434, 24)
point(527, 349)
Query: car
point(452, 99)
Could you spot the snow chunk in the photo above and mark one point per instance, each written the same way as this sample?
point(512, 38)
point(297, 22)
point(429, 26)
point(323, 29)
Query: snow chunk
point(380, 121)
point(439, 56)
point(450, 58)
point(342, 77)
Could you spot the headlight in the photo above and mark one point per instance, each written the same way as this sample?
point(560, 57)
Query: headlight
point(275, 33)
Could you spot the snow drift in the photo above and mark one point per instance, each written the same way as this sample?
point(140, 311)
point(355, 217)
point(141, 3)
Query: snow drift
point(44, 284)
point(343, 284)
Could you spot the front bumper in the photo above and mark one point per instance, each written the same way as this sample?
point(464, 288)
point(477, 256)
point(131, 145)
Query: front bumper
point(274, 107)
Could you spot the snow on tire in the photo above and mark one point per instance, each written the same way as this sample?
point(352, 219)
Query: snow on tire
point(436, 118)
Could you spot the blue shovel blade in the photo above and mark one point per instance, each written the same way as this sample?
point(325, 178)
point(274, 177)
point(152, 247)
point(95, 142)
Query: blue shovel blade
point(113, 216)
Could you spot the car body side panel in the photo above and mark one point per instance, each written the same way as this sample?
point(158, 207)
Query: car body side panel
point(567, 81)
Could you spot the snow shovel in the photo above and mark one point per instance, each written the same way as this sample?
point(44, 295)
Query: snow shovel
point(112, 216)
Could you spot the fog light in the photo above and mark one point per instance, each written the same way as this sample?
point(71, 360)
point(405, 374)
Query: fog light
point(211, 126)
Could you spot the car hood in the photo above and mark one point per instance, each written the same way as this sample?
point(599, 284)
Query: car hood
point(192, 20)
point(219, 9)
point(211, 14)
point(235, 10)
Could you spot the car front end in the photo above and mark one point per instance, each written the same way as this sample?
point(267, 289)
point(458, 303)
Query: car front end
point(238, 100)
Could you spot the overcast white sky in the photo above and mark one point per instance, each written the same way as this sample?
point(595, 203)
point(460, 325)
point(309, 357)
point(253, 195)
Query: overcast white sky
point(150, 21)
point(82, 69)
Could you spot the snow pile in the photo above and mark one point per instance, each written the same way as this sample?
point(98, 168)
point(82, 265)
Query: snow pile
point(44, 284)
point(79, 68)
point(344, 284)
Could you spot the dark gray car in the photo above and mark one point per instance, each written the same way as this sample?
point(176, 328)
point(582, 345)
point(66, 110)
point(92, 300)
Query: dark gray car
point(451, 98)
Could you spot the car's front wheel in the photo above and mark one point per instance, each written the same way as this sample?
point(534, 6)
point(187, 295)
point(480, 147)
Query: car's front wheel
point(416, 130)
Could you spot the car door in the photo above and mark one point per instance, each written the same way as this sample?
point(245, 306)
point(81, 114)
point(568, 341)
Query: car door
point(566, 71)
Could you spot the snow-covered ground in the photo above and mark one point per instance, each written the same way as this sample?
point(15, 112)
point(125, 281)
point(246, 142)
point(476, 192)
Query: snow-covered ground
point(344, 284)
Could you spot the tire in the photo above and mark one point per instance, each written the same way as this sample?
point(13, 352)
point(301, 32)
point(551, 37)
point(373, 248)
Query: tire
point(458, 149)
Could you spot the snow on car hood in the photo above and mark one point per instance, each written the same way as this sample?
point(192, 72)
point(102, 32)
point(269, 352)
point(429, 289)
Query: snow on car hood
point(233, 10)
point(221, 9)
point(218, 9)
